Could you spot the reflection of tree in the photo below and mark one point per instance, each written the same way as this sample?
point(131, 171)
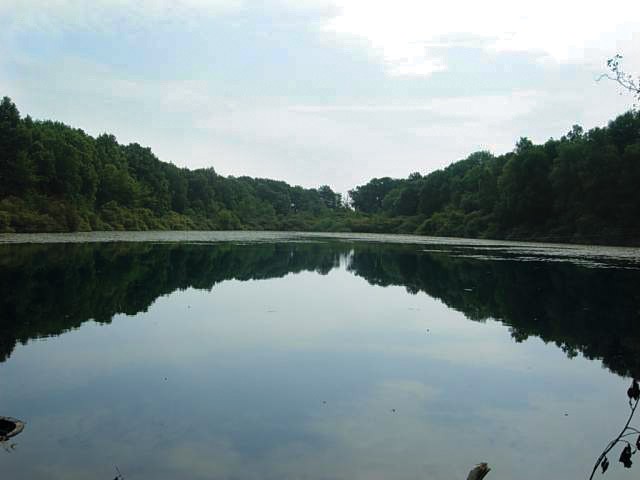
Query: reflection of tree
point(50, 289)
point(47, 290)
point(627, 431)
point(587, 310)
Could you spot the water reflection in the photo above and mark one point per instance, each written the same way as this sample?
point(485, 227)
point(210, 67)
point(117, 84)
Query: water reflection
point(50, 289)
point(288, 360)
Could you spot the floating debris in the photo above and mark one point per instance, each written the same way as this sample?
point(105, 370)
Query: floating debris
point(10, 427)
point(479, 472)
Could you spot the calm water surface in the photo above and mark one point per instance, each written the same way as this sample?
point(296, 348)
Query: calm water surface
point(280, 356)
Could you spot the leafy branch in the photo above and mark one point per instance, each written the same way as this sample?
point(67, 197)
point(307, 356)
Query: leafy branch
point(618, 75)
point(628, 451)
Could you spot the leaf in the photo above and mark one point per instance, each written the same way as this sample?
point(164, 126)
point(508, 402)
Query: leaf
point(625, 457)
point(638, 443)
point(634, 391)
point(604, 464)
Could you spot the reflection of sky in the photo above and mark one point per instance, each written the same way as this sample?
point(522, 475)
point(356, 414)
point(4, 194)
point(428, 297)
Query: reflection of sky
point(231, 384)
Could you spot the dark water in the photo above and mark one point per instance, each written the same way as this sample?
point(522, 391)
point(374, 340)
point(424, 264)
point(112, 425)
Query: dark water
point(266, 356)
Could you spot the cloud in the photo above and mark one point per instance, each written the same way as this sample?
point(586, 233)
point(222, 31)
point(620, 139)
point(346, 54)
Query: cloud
point(344, 145)
point(409, 35)
point(516, 103)
point(55, 15)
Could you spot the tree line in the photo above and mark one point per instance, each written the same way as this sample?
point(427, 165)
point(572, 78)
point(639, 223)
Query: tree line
point(57, 178)
point(579, 188)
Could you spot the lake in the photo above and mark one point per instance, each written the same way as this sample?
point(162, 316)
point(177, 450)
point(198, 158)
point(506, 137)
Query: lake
point(240, 355)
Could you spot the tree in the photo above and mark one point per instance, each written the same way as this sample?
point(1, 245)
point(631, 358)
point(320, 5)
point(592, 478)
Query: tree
point(16, 167)
point(9, 114)
point(581, 187)
point(330, 198)
point(368, 198)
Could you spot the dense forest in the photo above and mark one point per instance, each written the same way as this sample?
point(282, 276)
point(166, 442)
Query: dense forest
point(50, 289)
point(57, 178)
point(579, 188)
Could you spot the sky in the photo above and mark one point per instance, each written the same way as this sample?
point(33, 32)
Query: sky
point(318, 92)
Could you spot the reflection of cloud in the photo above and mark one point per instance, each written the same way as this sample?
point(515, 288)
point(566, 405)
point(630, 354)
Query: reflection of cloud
point(209, 419)
point(363, 439)
point(216, 459)
point(221, 322)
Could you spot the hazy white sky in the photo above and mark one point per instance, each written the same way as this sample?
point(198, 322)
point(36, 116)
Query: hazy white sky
point(317, 91)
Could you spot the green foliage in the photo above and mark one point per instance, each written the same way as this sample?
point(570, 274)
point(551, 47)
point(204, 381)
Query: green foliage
point(368, 198)
point(55, 178)
point(580, 188)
